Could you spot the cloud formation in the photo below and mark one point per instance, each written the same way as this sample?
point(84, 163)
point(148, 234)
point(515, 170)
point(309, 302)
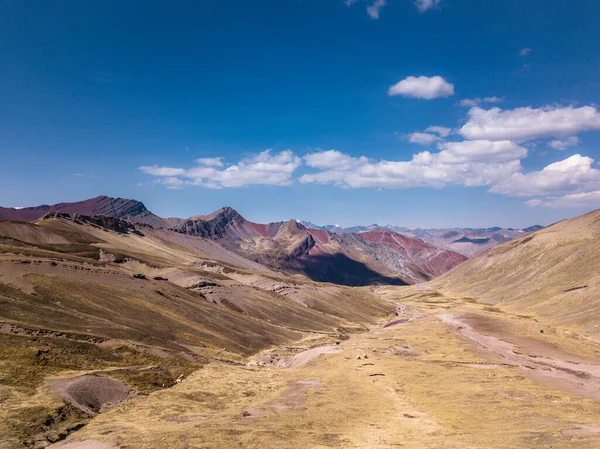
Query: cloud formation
point(423, 138)
point(495, 142)
point(425, 5)
point(422, 87)
point(155, 170)
point(259, 169)
point(374, 8)
point(439, 130)
point(471, 102)
point(565, 143)
point(333, 159)
point(210, 161)
point(586, 199)
point(469, 163)
point(572, 175)
point(529, 123)
point(524, 51)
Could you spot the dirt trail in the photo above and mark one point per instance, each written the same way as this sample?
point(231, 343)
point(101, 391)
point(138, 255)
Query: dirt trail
point(87, 444)
point(566, 371)
point(273, 359)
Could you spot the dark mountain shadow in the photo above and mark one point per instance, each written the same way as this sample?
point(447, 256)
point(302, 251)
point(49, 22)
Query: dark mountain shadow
point(342, 270)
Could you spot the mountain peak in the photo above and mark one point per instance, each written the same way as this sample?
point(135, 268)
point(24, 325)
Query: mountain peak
point(225, 214)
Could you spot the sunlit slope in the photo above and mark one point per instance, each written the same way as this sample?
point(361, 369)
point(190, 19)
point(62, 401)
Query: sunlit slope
point(553, 273)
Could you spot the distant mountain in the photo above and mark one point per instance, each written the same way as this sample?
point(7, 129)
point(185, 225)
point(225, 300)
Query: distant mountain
point(466, 241)
point(310, 225)
point(358, 229)
point(372, 255)
point(533, 228)
point(469, 241)
point(337, 229)
point(551, 273)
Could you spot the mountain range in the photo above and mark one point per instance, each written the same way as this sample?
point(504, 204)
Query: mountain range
point(465, 241)
point(379, 256)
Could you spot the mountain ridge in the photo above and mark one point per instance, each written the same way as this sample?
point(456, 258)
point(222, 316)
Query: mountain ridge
point(290, 246)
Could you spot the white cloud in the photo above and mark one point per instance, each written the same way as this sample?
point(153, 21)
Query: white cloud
point(463, 163)
point(572, 175)
point(429, 136)
point(155, 170)
point(524, 51)
point(528, 123)
point(425, 5)
point(333, 159)
point(482, 151)
point(374, 9)
point(439, 130)
point(423, 138)
point(263, 168)
point(586, 199)
point(564, 144)
point(422, 87)
point(171, 182)
point(210, 161)
point(471, 102)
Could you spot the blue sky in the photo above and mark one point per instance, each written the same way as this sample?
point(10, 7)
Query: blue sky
point(139, 100)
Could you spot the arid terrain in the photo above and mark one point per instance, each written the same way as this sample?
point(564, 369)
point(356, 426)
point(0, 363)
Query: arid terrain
point(211, 332)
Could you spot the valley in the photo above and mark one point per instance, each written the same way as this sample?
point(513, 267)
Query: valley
point(456, 374)
point(211, 332)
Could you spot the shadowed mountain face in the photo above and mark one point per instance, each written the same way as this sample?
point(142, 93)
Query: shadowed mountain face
point(376, 257)
point(341, 269)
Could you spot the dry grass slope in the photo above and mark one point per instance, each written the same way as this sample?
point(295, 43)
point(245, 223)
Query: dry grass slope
point(552, 273)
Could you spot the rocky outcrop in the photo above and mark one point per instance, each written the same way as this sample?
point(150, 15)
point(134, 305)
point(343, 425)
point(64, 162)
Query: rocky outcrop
point(107, 223)
point(213, 226)
point(303, 249)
